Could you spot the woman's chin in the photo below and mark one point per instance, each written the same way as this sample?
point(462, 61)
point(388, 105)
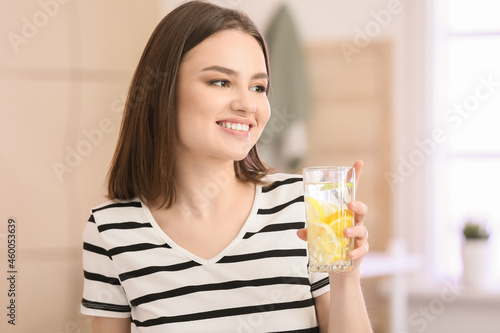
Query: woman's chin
point(239, 157)
point(240, 153)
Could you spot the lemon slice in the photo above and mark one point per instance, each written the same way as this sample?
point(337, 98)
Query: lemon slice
point(322, 239)
point(329, 209)
point(314, 210)
point(332, 186)
point(342, 219)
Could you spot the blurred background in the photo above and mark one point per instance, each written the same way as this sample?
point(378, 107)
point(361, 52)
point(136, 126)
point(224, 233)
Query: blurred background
point(410, 87)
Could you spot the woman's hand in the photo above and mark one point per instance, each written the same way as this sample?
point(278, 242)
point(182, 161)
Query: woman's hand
point(358, 231)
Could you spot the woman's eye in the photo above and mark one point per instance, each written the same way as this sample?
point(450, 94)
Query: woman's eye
point(220, 83)
point(259, 89)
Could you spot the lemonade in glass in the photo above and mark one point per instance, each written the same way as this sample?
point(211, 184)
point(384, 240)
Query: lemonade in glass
point(327, 192)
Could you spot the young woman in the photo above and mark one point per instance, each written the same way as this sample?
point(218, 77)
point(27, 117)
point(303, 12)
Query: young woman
point(199, 235)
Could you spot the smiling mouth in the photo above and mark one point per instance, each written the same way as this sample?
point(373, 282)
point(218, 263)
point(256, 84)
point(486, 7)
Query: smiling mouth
point(235, 126)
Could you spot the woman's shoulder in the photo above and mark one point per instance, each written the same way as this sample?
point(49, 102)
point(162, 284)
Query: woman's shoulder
point(117, 209)
point(282, 180)
point(280, 176)
point(110, 204)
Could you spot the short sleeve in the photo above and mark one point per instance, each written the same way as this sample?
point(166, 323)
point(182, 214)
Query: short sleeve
point(320, 283)
point(103, 294)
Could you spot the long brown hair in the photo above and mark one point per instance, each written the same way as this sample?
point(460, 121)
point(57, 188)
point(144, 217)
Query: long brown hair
point(143, 163)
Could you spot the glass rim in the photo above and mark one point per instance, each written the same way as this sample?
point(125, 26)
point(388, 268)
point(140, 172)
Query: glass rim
point(327, 168)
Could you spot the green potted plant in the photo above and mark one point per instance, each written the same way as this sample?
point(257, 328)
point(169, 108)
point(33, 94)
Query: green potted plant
point(473, 230)
point(475, 252)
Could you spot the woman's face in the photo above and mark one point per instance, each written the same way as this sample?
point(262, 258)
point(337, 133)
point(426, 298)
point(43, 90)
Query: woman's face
point(222, 103)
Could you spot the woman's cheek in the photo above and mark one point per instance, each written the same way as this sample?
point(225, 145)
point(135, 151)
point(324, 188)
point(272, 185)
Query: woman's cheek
point(267, 107)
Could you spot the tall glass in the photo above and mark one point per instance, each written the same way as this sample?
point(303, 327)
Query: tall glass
point(327, 192)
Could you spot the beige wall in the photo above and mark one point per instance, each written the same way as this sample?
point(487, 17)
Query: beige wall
point(59, 80)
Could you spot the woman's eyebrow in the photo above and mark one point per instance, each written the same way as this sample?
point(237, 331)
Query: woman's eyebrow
point(260, 76)
point(221, 69)
point(232, 72)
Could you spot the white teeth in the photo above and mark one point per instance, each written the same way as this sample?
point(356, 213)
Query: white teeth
point(236, 126)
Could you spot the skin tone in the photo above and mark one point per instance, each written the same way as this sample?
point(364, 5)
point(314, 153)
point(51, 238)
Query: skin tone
point(222, 83)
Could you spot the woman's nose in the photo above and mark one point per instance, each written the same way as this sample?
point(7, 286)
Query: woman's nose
point(242, 102)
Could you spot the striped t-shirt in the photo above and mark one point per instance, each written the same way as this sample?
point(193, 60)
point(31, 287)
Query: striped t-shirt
point(258, 283)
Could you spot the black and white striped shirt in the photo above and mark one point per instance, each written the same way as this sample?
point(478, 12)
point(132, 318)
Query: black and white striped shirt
point(258, 283)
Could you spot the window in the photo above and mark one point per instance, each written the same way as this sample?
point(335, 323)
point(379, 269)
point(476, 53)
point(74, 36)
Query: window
point(466, 105)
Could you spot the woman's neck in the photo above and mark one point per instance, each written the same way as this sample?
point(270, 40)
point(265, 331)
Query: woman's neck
point(208, 187)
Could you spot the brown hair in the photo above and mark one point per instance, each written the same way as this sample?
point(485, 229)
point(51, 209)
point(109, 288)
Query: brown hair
point(143, 163)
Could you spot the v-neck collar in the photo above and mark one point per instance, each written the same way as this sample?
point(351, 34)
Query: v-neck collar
point(223, 252)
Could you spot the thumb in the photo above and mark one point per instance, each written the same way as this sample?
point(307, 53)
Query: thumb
point(302, 233)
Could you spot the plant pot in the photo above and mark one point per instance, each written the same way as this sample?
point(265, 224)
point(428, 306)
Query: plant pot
point(475, 262)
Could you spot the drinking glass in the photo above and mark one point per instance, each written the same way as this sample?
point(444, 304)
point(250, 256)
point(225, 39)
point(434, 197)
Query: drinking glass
point(327, 192)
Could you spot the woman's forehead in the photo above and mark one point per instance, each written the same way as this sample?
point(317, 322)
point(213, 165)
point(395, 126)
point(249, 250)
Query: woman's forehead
point(228, 48)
